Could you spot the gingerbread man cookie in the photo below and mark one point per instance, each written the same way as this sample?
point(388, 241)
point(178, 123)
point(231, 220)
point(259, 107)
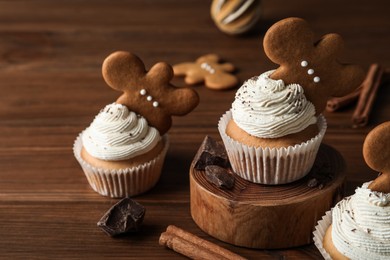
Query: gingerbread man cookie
point(209, 70)
point(309, 62)
point(376, 153)
point(148, 93)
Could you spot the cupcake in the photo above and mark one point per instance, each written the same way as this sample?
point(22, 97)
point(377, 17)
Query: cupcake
point(274, 128)
point(122, 152)
point(358, 227)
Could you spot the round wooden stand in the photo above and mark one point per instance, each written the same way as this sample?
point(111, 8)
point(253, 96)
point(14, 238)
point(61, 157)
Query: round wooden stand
point(268, 217)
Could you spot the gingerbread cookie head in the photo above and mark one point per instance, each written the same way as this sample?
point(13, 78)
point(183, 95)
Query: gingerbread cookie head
point(309, 62)
point(208, 69)
point(376, 153)
point(148, 93)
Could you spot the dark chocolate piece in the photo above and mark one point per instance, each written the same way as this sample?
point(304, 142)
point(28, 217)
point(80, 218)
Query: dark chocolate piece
point(211, 152)
point(125, 216)
point(219, 176)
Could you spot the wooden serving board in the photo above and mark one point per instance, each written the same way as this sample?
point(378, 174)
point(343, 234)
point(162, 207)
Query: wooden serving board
point(268, 217)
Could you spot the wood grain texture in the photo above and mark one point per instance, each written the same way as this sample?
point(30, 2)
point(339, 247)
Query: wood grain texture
point(51, 88)
point(267, 216)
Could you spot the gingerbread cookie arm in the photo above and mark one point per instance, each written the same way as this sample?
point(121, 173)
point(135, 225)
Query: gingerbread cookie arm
point(182, 101)
point(328, 46)
point(351, 76)
point(192, 72)
point(160, 73)
point(182, 68)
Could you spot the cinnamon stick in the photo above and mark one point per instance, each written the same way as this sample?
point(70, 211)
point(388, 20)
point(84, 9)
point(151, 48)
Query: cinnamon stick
point(337, 103)
point(194, 247)
point(367, 97)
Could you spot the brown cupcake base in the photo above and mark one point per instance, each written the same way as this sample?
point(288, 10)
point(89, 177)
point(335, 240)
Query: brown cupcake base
point(125, 182)
point(268, 217)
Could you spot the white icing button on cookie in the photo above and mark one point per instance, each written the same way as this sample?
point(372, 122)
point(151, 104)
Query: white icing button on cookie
point(304, 63)
point(143, 92)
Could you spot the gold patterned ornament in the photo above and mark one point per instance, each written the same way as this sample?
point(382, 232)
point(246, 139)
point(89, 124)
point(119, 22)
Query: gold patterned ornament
point(235, 16)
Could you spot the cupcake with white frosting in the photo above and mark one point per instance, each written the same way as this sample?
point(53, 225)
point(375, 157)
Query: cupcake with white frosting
point(271, 133)
point(122, 152)
point(121, 155)
point(358, 227)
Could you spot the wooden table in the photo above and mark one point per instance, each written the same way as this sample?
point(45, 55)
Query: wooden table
point(51, 89)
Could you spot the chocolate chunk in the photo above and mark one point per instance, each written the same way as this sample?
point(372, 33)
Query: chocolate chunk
point(219, 176)
point(211, 152)
point(125, 216)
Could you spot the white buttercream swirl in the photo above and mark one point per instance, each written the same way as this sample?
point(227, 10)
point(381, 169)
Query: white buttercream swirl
point(361, 225)
point(119, 134)
point(267, 108)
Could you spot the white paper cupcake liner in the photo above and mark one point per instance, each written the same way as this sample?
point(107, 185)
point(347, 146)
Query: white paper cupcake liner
point(271, 166)
point(319, 234)
point(123, 182)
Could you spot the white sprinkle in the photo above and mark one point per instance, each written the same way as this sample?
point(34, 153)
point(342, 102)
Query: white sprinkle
point(310, 71)
point(304, 63)
point(155, 104)
point(316, 79)
point(143, 92)
point(149, 98)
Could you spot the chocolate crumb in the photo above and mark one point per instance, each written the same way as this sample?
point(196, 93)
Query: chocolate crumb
point(353, 230)
point(321, 173)
point(125, 216)
point(219, 176)
point(368, 230)
point(312, 183)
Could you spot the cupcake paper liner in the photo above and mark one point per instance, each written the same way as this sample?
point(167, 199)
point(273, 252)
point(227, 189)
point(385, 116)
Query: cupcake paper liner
point(123, 182)
point(271, 165)
point(319, 234)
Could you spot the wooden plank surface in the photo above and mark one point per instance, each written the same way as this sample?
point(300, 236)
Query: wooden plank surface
point(51, 88)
